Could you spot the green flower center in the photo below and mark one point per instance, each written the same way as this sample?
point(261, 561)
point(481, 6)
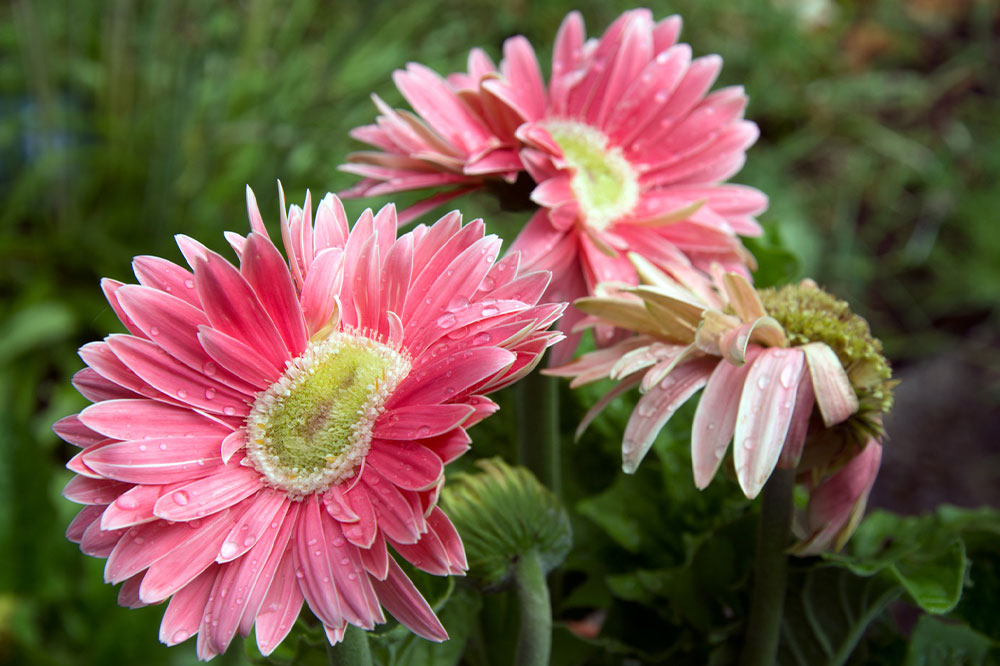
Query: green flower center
point(809, 314)
point(605, 185)
point(311, 428)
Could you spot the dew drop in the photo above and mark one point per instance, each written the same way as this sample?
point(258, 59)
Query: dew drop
point(482, 339)
point(180, 635)
point(209, 393)
point(163, 446)
point(345, 561)
point(351, 576)
point(490, 310)
point(711, 426)
point(338, 542)
point(126, 503)
point(762, 381)
point(229, 411)
point(458, 303)
point(154, 330)
point(487, 284)
point(181, 497)
point(142, 447)
point(446, 320)
point(209, 368)
point(182, 393)
point(787, 376)
point(228, 550)
point(299, 573)
point(247, 542)
point(748, 443)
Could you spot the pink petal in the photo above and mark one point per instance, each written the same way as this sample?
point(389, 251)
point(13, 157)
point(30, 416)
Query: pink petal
point(438, 521)
point(656, 407)
point(331, 225)
point(97, 542)
point(266, 509)
point(145, 544)
point(166, 276)
point(361, 606)
point(362, 530)
point(134, 507)
point(239, 359)
point(766, 408)
point(157, 460)
point(280, 607)
point(312, 552)
point(233, 308)
point(174, 378)
point(186, 609)
point(100, 357)
point(716, 418)
point(110, 288)
point(791, 451)
point(420, 421)
point(834, 394)
point(84, 490)
point(449, 377)
point(267, 274)
point(203, 497)
point(96, 388)
point(185, 562)
point(399, 596)
point(376, 558)
point(84, 519)
point(128, 595)
point(278, 571)
point(322, 285)
point(406, 464)
point(395, 515)
point(147, 419)
point(72, 430)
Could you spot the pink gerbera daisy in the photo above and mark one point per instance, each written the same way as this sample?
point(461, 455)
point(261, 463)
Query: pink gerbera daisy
point(791, 376)
point(629, 154)
point(626, 150)
point(266, 434)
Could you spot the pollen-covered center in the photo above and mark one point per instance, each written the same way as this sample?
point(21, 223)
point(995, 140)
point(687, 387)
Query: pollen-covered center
point(604, 183)
point(311, 428)
point(809, 314)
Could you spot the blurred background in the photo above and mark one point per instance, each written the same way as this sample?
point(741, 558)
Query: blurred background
point(123, 123)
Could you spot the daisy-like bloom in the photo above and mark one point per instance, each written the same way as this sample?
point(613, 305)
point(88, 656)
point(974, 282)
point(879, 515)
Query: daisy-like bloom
point(791, 376)
point(265, 434)
point(627, 150)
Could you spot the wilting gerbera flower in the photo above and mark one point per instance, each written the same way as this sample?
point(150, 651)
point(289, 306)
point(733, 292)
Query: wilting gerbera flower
point(765, 359)
point(266, 433)
point(627, 151)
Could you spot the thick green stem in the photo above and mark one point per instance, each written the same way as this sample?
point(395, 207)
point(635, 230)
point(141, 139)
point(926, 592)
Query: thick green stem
point(352, 651)
point(538, 429)
point(760, 646)
point(534, 639)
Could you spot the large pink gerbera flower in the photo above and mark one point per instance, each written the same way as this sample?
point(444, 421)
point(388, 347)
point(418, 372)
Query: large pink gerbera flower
point(627, 151)
point(629, 155)
point(265, 434)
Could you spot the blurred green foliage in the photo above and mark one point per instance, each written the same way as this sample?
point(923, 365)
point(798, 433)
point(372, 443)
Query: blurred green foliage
point(123, 123)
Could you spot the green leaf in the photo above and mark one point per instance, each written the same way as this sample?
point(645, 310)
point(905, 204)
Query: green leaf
point(937, 643)
point(827, 610)
point(926, 555)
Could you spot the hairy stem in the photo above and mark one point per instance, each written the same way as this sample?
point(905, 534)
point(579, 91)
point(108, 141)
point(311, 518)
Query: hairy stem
point(352, 651)
point(760, 646)
point(534, 640)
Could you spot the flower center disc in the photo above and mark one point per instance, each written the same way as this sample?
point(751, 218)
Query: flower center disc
point(604, 183)
point(311, 428)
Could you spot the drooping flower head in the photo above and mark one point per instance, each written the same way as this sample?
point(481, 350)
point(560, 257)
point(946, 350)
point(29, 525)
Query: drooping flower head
point(266, 433)
point(791, 376)
point(627, 150)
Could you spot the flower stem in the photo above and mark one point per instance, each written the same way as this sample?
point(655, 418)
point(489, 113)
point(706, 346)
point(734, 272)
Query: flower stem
point(352, 650)
point(538, 429)
point(770, 572)
point(534, 639)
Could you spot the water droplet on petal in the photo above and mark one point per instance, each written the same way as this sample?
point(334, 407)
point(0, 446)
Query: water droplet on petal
point(189, 283)
point(446, 320)
point(180, 635)
point(487, 284)
point(490, 310)
point(154, 330)
point(482, 339)
point(458, 303)
point(228, 550)
point(787, 376)
point(229, 411)
point(209, 393)
point(748, 443)
point(126, 503)
point(209, 368)
point(423, 431)
point(182, 393)
point(247, 542)
point(181, 498)
point(762, 381)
